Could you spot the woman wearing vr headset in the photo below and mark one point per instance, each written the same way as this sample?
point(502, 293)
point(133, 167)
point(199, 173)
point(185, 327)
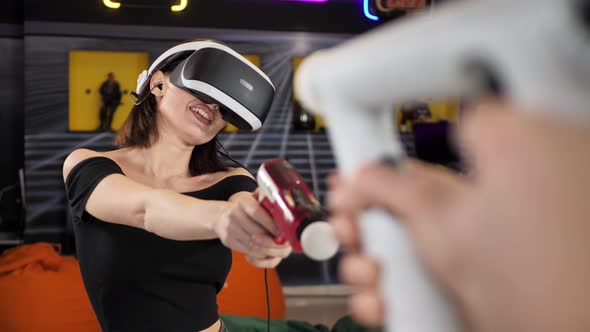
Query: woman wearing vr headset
point(151, 219)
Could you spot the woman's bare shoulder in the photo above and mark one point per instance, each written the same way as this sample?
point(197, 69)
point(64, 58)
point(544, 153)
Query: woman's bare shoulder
point(238, 171)
point(79, 155)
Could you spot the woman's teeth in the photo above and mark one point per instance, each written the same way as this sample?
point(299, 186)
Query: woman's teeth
point(201, 112)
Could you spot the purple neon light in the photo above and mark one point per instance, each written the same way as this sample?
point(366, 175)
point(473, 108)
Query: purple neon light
point(306, 0)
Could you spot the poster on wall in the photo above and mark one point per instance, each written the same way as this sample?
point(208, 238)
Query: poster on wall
point(99, 87)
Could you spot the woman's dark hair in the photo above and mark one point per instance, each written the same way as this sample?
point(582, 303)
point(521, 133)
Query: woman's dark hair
point(140, 130)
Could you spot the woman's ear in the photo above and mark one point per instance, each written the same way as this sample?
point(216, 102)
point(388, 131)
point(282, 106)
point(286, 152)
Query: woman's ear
point(157, 83)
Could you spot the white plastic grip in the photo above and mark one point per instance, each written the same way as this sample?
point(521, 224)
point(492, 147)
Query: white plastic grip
point(413, 303)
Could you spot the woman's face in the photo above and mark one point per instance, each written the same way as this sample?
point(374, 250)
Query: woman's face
point(188, 117)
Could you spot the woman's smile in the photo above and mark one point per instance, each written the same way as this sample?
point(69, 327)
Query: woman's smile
point(203, 113)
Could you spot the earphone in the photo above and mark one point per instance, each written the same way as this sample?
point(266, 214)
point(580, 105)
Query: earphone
point(134, 95)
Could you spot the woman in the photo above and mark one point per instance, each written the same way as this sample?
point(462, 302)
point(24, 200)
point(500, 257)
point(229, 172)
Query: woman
point(152, 218)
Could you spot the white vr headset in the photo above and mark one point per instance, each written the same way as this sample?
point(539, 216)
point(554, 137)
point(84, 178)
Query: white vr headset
point(214, 73)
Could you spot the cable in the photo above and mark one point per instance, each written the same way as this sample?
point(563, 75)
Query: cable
point(7, 188)
point(267, 302)
point(134, 96)
point(226, 155)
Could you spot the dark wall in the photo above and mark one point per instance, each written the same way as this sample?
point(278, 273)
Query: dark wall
point(12, 12)
point(339, 16)
point(11, 117)
point(11, 126)
point(11, 108)
point(11, 95)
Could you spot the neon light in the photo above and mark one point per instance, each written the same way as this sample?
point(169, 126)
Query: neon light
point(307, 0)
point(111, 4)
point(368, 12)
point(180, 7)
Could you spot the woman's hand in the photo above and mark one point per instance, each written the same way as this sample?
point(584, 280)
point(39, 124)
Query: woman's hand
point(248, 228)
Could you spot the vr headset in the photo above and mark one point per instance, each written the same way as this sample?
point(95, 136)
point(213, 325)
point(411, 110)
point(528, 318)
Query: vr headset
point(214, 73)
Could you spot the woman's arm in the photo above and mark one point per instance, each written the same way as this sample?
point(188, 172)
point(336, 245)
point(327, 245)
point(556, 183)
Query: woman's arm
point(241, 223)
point(118, 199)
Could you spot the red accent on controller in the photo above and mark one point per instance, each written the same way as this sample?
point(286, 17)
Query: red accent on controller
point(292, 198)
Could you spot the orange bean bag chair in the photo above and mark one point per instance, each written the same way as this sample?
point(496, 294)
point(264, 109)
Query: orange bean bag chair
point(244, 293)
point(43, 291)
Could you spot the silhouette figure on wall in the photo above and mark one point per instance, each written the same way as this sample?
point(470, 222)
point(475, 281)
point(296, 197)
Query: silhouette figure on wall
point(110, 93)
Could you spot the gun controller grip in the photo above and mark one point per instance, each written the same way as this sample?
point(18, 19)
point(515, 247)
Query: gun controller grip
point(411, 296)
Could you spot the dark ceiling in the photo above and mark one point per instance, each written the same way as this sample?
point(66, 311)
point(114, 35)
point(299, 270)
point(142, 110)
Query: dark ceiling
point(12, 12)
point(334, 16)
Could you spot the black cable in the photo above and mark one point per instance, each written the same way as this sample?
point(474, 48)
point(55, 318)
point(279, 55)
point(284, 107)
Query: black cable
point(7, 188)
point(224, 150)
point(267, 302)
point(226, 155)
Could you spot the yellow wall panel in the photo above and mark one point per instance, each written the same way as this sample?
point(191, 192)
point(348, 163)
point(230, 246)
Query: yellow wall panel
point(87, 71)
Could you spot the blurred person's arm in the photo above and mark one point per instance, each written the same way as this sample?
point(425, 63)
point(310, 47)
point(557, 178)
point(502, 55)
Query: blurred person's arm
point(510, 242)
